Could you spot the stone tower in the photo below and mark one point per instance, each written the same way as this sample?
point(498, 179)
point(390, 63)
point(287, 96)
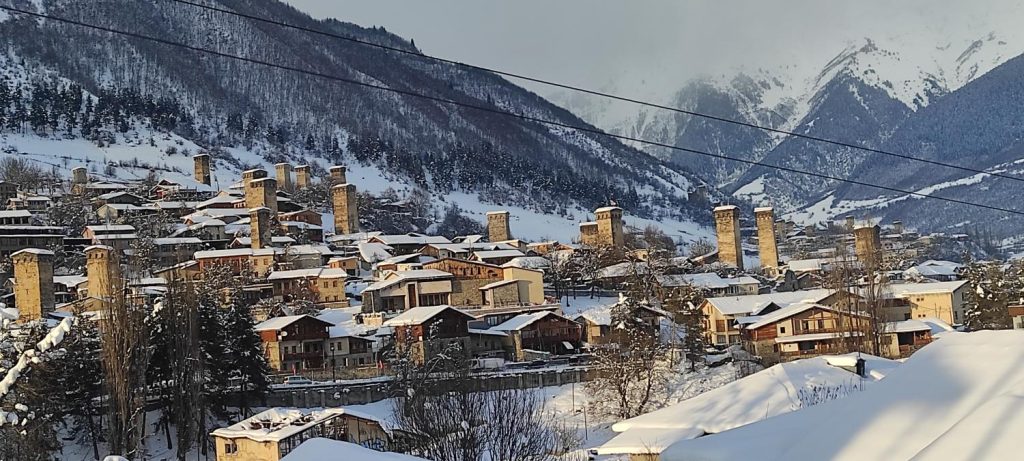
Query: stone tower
point(867, 245)
point(202, 168)
point(897, 227)
point(302, 177)
point(79, 175)
point(259, 223)
point(497, 226)
point(767, 244)
point(346, 209)
point(284, 176)
point(609, 226)
point(727, 226)
point(33, 283)
point(249, 176)
point(103, 270)
point(851, 222)
point(262, 193)
point(338, 175)
point(588, 234)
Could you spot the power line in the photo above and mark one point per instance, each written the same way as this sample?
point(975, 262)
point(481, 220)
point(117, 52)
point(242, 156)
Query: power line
point(493, 110)
point(596, 93)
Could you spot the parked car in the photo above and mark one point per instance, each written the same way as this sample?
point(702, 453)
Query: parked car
point(537, 364)
point(296, 380)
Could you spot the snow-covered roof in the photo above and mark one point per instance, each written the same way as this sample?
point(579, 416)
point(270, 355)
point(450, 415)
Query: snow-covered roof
point(529, 262)
point(906, 326)
point(957, 398)
point(112, 228)
point(607, 208)
point(319, 449)
point(598, 316)
point(736, 305)
point(410, 239)
point(910, 289)
point(499, 283)
point(235, 252)
point(492, 254)
point(522, 321)
point(403, 276)
point(278, 323)
point(318, 272)
point(765, 394)
point(276, 239)
point(726, 207)
point(177, 241)
point(373, 252)
point(479, 331)
point(418, 315)
point(277, 424)
point(783, 313)
point(15, 214)
point(709, 280)
point(34, 251)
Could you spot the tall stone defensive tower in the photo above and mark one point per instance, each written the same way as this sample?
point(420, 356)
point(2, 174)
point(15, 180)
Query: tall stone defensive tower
point(727, 226)
point(767, 244)
point(249, 176)
point(302, 177)
point(103, 270)
point(202, 168)
point(498, 227)
point(284, 176)
point(259, 223)
point(867, 242)
point(346, 209)
point(33, 283)
point(338, 175)
point(609, 226)
point(79, 175)
point(262, 193)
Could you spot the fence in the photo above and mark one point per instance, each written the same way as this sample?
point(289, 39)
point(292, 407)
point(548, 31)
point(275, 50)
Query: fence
point(360, 393)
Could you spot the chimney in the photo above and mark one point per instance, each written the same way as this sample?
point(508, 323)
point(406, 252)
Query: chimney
point(346, 209)
point(33, 283)
point(498, 227)
point(727, 226)
point(202, 168)
point(284, 176)
point(767, 243)
point(302, 177)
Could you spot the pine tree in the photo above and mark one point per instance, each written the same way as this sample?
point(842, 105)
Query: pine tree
point(684, 303)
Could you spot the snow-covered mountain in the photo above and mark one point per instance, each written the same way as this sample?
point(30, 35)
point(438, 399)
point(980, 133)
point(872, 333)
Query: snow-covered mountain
point(862, 94)
point(152, 97)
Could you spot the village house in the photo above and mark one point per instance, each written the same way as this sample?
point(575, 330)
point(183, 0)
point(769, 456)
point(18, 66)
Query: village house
point(538, 334)
point(803, 330)
point(941, 300)
point(721, 313)
point(422, 332)
point(402, 290)
point(712, 283)
point(240, 260)
point(15, 218)
point(8, 190)
point(15, 238)
point(407, 243)
point(294, 342)
point(274, 433)
point(323, 286)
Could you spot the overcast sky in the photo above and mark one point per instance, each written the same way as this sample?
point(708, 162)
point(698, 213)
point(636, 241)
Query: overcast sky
point(593, 42)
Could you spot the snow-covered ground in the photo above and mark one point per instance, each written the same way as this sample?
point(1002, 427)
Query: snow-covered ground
point(959, 398)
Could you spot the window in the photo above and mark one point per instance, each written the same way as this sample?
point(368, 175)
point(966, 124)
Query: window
point(821, 324)
point(720, 325)
point(782, 330)
point(230, 447)
point(720, 339)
